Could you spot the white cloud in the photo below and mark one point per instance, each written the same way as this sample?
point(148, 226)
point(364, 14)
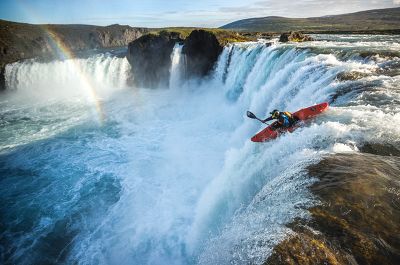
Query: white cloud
point(396, 2)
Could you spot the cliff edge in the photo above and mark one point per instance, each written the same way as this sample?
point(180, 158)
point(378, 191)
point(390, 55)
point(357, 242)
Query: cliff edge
point(20, 41)
point(150, 58)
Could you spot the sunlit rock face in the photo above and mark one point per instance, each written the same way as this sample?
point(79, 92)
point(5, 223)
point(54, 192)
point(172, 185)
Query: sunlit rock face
point(358, 219)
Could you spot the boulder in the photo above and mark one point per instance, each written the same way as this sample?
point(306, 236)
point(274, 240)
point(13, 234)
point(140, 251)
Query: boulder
point(201, 49)
point(294, 36)
point(358, 218)
point(150, 58)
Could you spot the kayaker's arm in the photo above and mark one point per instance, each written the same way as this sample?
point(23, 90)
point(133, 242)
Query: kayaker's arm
point(268, 119)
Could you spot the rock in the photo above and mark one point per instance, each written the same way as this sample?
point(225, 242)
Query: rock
point(381, 149)
point(305, 248)
point(351, 76)
point(264, 35)
point(150, 58)
point(358, 221)
point(295, 37)
point(2, 79)
point(23, 41)
point(201, 49)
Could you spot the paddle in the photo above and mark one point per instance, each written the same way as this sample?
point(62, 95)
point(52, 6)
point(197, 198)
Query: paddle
point(252, 116)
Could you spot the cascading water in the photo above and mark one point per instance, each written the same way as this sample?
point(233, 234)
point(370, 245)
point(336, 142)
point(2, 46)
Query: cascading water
point(102, 72)
point(170, 176)
point(177, 66)
point(68, 91)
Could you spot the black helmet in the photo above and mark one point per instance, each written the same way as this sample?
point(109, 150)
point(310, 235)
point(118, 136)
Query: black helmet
point(274, 113)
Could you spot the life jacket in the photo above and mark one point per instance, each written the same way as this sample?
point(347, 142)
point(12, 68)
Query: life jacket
point(285, 119)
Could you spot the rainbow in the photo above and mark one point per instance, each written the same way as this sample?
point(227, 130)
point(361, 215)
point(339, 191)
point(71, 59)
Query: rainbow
point(65, 53)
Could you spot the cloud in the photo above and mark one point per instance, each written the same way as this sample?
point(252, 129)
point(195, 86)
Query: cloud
point(396, 2)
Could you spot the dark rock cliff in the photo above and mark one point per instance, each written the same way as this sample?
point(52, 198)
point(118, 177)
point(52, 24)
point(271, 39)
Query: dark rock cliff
point(150, 58)
point(201, 49)
point(2, 78)
point(23, 41)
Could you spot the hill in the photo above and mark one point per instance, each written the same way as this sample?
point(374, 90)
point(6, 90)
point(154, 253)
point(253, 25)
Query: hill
point(21, 40)
point(371, 20)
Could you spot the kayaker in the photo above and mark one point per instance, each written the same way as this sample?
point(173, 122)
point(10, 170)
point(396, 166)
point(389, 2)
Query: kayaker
point(285, 119)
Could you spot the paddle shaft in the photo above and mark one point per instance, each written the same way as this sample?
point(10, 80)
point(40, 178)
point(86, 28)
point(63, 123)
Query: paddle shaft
point(261, 120)
point(252, 116)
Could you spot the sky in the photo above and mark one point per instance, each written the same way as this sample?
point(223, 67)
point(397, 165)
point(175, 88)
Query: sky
point(166, 13)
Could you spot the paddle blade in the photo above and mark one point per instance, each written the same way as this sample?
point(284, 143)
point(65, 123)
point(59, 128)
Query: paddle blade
point(251, 115)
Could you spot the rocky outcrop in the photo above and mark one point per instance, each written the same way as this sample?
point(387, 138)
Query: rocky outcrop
point(150, 55)
point(294, 36)
point(150, 58)
point(23, 41)
point(2, 79)
point(201, 50)
point(350, 76)
point(358, 221)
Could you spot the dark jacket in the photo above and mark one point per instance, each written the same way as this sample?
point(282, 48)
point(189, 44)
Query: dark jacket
point(285, 119)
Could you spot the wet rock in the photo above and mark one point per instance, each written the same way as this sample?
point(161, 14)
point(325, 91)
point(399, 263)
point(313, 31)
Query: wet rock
point(150, 58)
point(305, 248)
point(201, 49)
point(294, 36)
point(350, 76)
point(381, 149)
point(2, 79)
point(358, 220)
point(264, 35)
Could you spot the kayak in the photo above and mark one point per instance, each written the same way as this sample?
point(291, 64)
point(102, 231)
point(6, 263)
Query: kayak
point(271, 132)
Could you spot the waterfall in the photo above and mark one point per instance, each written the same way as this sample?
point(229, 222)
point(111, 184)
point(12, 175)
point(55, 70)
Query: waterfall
point(170, 176)
point(177, 66)
point(101, 73)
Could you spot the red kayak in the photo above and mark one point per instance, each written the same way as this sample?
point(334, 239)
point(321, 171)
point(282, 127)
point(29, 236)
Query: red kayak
point(271, 132)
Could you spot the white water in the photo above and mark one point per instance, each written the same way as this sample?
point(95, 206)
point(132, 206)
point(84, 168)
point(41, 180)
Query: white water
point(177, 67)
point(170, 177)
point(102, 73)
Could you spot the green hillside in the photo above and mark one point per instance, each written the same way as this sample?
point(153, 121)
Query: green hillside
point(371, 20)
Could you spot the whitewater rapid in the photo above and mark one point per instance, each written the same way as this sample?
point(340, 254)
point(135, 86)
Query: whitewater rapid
point(97, 172)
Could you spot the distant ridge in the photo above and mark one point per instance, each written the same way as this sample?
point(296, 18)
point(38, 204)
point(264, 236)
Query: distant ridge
point(370, 20)
point(22, 40)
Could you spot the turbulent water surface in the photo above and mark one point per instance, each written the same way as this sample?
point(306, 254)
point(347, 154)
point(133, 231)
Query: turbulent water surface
point(96, 172)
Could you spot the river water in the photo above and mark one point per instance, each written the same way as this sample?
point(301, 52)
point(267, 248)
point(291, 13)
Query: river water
point(94, 171)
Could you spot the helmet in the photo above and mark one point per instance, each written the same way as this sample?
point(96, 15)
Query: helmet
point(274, 113)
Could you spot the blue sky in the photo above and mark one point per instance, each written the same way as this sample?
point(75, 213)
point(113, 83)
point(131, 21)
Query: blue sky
point(163, 13)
